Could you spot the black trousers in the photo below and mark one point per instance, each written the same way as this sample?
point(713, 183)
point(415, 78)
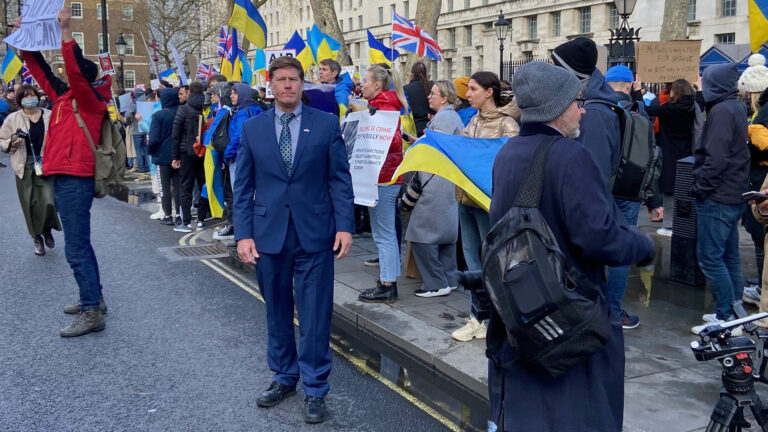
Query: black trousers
point(191, 170)
point(171, 187)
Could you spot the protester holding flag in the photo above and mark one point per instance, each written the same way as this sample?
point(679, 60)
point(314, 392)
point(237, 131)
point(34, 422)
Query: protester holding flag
point(139, 136)
point(416, 91)
point(376, 84)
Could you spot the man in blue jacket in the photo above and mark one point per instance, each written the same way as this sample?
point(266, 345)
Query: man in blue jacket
point(160, 149)
point(590, 395)
point(721, 175)
point(293, 206)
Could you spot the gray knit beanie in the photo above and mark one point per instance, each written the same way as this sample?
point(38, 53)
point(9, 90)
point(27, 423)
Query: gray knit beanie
point(544, 91)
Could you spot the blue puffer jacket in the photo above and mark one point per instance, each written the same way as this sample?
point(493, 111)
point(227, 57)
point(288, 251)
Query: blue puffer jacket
point(600, 131)
point(162, 126)
point(246, 108)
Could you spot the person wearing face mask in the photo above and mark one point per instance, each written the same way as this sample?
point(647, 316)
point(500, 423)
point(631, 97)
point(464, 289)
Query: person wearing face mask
point(35, 191)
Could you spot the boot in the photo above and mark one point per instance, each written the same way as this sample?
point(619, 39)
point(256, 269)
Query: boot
point(39, 246)
point(49, 241)
point(381, 294)
point(74, 309)
point(86, 322)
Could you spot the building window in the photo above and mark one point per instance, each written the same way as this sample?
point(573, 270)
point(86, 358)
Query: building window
point(341, 25)
point(691, 10)
point(101, 43)
point(357, 50)
point(381, 15)
point(468, 35)
point(448, 69)
point(349, 23)
point(76, 9)
point(98, 11)
point(360, 3)
point(127, 13)
point(466, 4)
point(533, 24)
point(727, 8)
point(349, 6)
point(341, 5)
point(725, 38)
point(393, 8)
point(614, 17)
point(452, 38)
point(359, 21)
point(449, 7)
point(556, 23)
point(309, 14)
point(130, 79)
point(301, 14)
point(485, 2)
point(130, 48)
point(277, 35)
point(527, 56)
point(79, 39)
point(406, 9)
point(468, 66)
point(585, 20)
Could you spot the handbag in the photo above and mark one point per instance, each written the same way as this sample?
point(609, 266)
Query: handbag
point(412, 193)
point(463, 198)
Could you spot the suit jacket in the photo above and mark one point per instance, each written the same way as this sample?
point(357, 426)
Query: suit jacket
point(318, 194)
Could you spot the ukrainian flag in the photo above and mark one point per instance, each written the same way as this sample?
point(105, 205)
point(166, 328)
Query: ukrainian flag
point(322, 46)
point(246, 18)
point(246, 68)
point(466, 162)
point(230, 65)
point(11, 65)
point(378, 52)
point(303, 53)
point(260, 62)
point(168, 73)
point(212, 167)
point(758, 23)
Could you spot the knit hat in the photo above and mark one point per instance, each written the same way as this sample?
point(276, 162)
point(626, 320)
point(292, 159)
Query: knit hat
point(462, 84)
point(755, 78)
point(578, 56)
point(543, 91)
point(137, 93)
point(619, 73)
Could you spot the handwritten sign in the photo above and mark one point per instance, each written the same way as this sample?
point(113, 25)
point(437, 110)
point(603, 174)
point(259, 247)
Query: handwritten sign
point(39, 27)
point(105, 61)
point(270, 56)
point(660, 62)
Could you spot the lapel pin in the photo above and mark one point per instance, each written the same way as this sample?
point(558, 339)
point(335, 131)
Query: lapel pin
point(306, 130)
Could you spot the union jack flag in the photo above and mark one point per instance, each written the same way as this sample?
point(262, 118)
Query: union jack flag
point(411, 38)
point(26, 75)
point(225, 41)
point(204, 71)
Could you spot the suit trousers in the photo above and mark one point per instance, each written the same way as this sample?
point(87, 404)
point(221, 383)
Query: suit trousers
point(191, 169)
point(290, 277)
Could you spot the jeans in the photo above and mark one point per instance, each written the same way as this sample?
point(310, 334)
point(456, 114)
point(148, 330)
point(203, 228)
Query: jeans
point(384, 235)
point(475, 224)
point(171, 187)
point(140, 144)
point(717, 250)
point(618, 276)
point(74, 196)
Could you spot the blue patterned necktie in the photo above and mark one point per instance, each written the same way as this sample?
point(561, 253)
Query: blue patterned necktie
point(285, 141)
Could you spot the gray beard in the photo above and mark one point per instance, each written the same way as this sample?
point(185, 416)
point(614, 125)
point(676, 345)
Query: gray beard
point(575, 134)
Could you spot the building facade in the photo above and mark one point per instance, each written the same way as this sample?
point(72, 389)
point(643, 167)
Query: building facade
point(466, 33)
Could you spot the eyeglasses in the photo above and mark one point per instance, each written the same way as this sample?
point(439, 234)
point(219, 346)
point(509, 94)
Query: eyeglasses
point(580, 102)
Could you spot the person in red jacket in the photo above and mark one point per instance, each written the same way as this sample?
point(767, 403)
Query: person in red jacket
point(68, 159)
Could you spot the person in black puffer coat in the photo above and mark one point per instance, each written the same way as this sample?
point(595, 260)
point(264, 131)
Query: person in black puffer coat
point(417, 92)
point(160, 149)
point(186, 128)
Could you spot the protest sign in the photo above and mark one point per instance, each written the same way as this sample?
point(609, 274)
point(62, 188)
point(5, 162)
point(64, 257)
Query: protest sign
point(105, 61)
point(192, 64)
point(367, 138)
point(271, 55)
point(179, 65)
point(145, 109)
point(39, 27)
point(124, 101)
point(154, 84)
point(660, 62)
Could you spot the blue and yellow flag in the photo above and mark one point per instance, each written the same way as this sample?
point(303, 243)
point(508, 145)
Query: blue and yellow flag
point(230, 64)
point(246, 18)
point(212, 167)
point(11, 65)
point(247, 74)
point(322, 46)
point(168, 74)
point(378, 52)
point(303, 53)
point(260, 62)
point(758, 24)
point(466, 162)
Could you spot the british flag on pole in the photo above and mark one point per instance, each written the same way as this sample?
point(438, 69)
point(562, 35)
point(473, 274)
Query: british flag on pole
point(205, 72)
point(225, 41)
point(26, 75)
point(407, 36)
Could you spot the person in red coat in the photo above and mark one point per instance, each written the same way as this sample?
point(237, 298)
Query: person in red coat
point(68, 159)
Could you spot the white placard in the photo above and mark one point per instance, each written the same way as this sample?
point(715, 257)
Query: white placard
point(367, 138)
point(154, 84)
point(269, 56)
point(39, 26)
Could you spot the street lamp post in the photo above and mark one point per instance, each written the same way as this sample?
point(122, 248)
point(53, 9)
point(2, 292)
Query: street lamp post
point(121, 46)
point(105, 37)
point(621, 44)
point(502, 29)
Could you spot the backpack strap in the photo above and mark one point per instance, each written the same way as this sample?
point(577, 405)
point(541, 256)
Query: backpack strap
point(82, 125)
point(529, 194)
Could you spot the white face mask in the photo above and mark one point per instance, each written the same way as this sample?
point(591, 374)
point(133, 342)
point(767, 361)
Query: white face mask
point(29, 102)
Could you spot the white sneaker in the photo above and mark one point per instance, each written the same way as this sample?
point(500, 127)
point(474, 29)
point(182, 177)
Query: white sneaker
point(709, 317)
point(664, 232)
point(157, 215)
point(697, 329)
point(200, 226)
point(751, 295)
point(436, 293)
point(472, 329)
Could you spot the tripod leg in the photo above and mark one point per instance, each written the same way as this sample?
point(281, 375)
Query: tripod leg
point(759, 412)
point(722, 416)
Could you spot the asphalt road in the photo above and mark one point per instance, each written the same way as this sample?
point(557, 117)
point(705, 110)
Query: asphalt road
point(183, 350)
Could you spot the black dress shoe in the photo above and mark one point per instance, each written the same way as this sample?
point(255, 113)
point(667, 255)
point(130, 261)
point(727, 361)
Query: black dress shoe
point(315, 410)
point(274, 394)
point(381, 294)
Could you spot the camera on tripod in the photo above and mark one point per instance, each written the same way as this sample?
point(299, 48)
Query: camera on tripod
point(480, 301)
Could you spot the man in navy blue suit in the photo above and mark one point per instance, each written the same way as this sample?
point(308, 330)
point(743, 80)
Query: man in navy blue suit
point(293, 207)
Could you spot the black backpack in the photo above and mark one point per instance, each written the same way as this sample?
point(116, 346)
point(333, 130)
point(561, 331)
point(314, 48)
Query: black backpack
point(554, 316)
point(638, 166)
point(220, 138)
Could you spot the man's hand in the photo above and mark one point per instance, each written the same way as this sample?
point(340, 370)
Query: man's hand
point(176, 164)
point(64, 17)
point(656, 215)
point(137, 116)
point(698, 84)
point(246, 251)
point(342, 244)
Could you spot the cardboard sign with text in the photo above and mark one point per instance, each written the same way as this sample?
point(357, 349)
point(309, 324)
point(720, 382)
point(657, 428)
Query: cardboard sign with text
point(269, 56)
point(660, 62)
point(39, 26)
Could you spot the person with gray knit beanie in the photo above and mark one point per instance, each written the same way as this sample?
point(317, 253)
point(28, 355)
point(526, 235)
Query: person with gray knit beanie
point(579, 210)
